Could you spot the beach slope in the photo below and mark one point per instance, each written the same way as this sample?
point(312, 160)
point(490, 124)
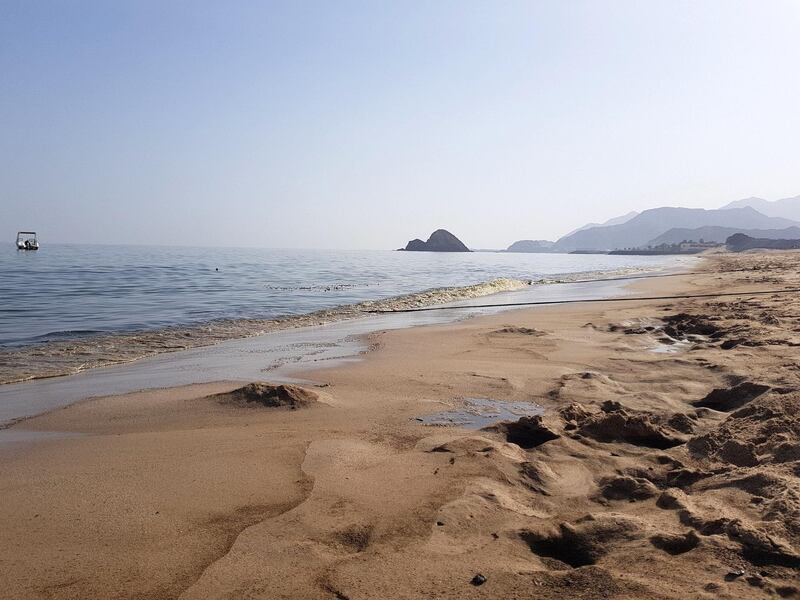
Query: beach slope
point(664, 465)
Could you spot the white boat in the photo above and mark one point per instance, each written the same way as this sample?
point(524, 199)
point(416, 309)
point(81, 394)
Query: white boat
point(26, 240)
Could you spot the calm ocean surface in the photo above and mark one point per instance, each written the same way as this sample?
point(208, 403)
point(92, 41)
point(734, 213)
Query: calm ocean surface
point(65, 292)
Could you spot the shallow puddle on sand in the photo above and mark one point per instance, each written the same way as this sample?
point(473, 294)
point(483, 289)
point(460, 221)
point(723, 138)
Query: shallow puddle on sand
point(482, 412)
point(673, 348)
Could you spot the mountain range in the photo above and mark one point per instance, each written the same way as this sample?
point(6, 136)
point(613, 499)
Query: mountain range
point(788, 208)
point(615, 221)
point(650, 224)
point(755, 217)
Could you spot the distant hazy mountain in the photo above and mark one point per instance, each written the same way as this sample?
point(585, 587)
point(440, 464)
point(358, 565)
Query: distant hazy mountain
point(614, 221)
point(530, 246)
point(720, 234)
point(788, 208)
point(650, 224)
point(441, 240)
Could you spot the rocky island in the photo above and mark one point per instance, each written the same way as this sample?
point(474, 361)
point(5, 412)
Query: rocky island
point(440, 240)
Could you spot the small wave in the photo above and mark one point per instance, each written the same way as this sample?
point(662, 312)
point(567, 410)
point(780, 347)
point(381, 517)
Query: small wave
point(53, 358)
point(581, 276)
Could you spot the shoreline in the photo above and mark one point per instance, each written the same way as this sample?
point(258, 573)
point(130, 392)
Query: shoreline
point(278, 355)
point(124, 347)
point(53, 355)
point(202, 497)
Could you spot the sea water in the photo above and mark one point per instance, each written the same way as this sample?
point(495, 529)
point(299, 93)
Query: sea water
point(66, 308)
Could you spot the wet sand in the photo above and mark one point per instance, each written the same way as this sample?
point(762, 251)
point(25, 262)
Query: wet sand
point(639, 481)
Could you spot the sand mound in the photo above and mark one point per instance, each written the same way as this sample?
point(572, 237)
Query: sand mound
point(706, 332)
point(472, 446)
point(679, 327)
point(755, 451)
point(758, 546)
point(573, 414)
point(585, 386)
point(586, 541)
point(767, 430)
point(586, 583)
point(683, 325)
point(728, 399)
point(625, 487)
point(617, 424)
point(675, 543)
point(682, 422)
point(270, 396)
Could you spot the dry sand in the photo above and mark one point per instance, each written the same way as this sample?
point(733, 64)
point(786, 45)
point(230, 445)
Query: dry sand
point(640, 481)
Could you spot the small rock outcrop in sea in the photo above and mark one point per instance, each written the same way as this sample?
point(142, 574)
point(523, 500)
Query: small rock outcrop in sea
point(440, 241)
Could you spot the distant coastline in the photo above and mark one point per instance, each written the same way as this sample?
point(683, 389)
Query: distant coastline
point(675, 230)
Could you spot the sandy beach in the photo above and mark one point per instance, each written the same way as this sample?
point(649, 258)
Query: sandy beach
point(665, 464)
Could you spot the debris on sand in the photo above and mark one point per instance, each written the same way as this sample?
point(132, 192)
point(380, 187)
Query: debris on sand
point(478, 580)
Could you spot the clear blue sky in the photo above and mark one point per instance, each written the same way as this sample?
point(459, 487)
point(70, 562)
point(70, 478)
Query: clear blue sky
point(364, 124)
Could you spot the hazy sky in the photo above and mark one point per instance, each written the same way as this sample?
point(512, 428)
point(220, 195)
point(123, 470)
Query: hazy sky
point(363, 124)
